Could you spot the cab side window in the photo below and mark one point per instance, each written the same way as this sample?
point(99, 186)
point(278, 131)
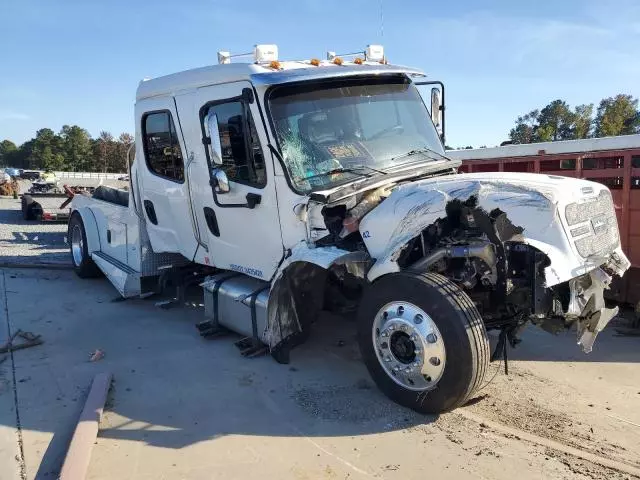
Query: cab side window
point(242, 158)
point(161, 146)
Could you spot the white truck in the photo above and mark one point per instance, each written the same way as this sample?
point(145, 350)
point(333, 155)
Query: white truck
point(289, 187)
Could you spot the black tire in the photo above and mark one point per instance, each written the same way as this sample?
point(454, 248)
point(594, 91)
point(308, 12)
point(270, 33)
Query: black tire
point(85, 268)
point(28, 212)
point(462, 329)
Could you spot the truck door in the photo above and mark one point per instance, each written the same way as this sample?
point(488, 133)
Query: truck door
point(241, 225)
point(164, 186)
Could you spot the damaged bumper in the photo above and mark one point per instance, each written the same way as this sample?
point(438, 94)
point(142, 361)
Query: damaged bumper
point(587, 303)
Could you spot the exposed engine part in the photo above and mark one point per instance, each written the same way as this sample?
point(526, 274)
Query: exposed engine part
point(482, 250)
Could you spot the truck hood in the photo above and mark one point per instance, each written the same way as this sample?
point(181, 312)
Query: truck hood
point(537, 204)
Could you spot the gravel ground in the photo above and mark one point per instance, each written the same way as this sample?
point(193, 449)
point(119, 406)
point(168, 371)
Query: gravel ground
point(23, 241)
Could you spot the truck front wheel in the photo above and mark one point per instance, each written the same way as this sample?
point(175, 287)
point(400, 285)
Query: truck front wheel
point(422, 340)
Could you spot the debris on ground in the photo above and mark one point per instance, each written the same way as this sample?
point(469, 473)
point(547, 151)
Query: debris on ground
point(29, 340)
point(96, 355)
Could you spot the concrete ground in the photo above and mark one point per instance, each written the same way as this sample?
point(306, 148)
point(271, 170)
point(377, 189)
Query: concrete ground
point(185, 407)
point(24, 241)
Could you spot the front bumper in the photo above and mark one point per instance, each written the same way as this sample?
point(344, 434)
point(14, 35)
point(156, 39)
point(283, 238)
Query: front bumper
point(587, 303)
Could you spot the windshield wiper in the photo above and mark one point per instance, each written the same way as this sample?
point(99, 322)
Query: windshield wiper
point(417, 151)
point(357, 169)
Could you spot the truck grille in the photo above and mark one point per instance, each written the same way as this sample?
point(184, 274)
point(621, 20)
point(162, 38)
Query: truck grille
point(601, 232)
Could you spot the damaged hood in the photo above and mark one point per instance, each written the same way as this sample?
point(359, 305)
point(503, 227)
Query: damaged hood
point(572, 221)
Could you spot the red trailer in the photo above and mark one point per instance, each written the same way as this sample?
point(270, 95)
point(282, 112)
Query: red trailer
point(612, 161)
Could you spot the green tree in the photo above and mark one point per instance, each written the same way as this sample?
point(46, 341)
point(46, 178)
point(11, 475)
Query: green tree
point(47, 151)
point(77, 148)
point(7, 151)
point(582, 121)
point(104, 151)
point(525, 129)
point(617, 116)
point(555, 122)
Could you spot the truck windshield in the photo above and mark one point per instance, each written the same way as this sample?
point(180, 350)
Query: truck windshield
point(333, 132)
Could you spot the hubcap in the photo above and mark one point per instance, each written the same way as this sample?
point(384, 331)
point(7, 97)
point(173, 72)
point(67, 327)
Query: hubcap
point(77, 245)
point(409, 346)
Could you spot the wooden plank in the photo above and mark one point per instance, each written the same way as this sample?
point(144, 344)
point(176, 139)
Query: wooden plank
point(78, 456)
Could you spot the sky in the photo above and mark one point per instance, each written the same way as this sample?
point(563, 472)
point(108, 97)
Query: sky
point(79, 61)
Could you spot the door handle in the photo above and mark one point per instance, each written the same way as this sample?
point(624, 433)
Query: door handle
point(212, 221)
point(151, 212)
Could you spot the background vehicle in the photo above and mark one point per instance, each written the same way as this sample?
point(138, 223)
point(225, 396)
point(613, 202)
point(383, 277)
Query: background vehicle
point(30, 175)
point(13, 172)
point(291, 186)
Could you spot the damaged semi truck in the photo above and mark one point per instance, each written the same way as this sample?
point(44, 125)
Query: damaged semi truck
point(289, 187)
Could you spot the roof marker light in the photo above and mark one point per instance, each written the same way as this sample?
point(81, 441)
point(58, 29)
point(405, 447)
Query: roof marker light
point(315, 62)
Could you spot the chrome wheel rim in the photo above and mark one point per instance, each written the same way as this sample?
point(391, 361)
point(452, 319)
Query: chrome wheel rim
point(409, 346)
point(77, 245)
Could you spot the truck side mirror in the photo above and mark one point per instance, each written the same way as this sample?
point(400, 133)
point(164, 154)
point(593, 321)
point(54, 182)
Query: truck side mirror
point(221, 181)
point(436, 109)
point(214, 134)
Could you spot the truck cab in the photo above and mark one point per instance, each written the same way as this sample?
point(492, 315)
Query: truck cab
point(294, 186)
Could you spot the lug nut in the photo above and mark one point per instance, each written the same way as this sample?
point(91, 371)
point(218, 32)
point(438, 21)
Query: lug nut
point(408, 370)
point(435, 361)
point(400, 311)
point(413, 337)
point(384, 334)
point(416, 351)
point(387, 358)
point(417, 319)
point(432, 338)
point(396, 368)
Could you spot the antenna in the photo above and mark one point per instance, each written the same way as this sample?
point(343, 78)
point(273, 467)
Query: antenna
point(381, 20)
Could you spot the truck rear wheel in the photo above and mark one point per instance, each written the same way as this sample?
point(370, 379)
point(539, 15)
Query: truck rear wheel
point(423, 341)
point(77, 237)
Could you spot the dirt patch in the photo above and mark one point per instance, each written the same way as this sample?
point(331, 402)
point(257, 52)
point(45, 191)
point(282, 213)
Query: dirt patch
point(479, 440)
point(517, 405)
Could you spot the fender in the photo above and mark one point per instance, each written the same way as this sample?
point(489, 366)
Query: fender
point(307, 265)
point(90, 228)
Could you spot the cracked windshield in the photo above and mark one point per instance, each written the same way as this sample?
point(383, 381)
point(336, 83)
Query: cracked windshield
point(337, 132)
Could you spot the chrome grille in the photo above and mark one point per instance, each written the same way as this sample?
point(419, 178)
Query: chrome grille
point(601, 232)
point(581, 212)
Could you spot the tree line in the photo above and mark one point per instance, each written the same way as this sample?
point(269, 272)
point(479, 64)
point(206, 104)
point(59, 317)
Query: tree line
point(72, 149)
point(617, 115)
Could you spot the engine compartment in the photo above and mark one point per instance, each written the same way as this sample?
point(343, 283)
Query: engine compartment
point(482, 252)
